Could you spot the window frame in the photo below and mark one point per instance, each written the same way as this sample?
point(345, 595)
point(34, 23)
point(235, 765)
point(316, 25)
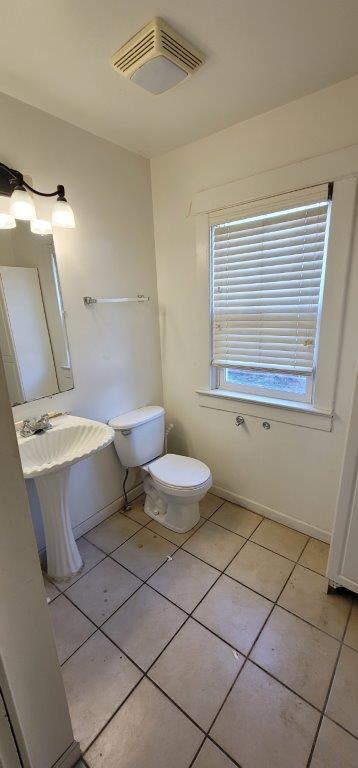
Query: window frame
point(256, 208)
point(341, 167)
point(271, 394)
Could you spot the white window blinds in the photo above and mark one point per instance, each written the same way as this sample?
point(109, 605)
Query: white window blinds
point(266, 283)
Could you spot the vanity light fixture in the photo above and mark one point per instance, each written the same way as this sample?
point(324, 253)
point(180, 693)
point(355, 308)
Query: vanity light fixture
point(6, 220)
point(22, 205)
point(62, 213)
point(40, 227)
point(14, 186)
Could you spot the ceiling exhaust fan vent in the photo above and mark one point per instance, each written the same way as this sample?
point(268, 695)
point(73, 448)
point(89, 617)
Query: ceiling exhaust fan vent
point(157, 58)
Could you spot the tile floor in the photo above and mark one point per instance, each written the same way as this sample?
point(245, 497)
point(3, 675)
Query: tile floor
point(212, 649)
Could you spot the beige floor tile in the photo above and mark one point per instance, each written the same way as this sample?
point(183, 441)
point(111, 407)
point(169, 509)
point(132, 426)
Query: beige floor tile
point(233, 612)
point(305, 594)
point(112, 532)
point(101, 591)
point(90, 554)
point(237, 519)
point(197, 671)
point(280, 539)
point(214, 544)
point(342, 705)
point(175, 538)
point(144, 625)
point(298, 654)
point(184, 580)
point(264, 725)
point(136, 512)
point(261, 570)
point(144, 553)
point(50, 589)
point(210, 756)
point(148, 731)
point(351, 637)
point(334, 748)
point(70, 627)
point(315, 556)
point(97, 678)
point(209, 504)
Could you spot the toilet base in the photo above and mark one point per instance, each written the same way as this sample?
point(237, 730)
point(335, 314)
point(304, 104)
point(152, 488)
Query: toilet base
point(175, 514)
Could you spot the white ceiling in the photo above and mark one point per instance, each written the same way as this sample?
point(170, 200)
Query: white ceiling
point(260, 54)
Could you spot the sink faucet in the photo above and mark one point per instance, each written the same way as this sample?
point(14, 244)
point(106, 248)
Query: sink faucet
point(34, 424)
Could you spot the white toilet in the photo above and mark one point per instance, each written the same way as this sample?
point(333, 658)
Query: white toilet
point(174, 484)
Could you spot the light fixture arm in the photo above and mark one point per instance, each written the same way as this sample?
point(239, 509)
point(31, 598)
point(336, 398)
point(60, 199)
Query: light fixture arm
point(60, 191)
point(16, 178)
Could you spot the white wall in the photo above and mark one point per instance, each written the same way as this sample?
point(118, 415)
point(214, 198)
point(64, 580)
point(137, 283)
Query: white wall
point(291, 469)
point(114, 349)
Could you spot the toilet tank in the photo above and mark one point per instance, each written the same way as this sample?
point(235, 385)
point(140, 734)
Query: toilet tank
point(139, 435)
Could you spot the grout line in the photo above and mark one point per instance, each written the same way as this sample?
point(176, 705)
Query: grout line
point(223, 573)
point(98, 627)
point(248, 654)
point(145, 673)
point(112, 716)
point(103, 552)
point(197, 753)
point(179, 546)
point(238, 765)
point(329, 689)
point(190, 615)
point(237, 533)
point(62, 663)
point(290, 559)
point(343, 728)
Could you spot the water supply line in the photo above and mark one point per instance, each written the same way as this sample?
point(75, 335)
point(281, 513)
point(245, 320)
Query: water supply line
point(126, 505)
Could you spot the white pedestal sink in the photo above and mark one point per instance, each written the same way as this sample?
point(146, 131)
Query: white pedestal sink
point(47, 457)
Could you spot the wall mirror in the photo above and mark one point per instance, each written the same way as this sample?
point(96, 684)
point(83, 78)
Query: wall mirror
point(33, 337)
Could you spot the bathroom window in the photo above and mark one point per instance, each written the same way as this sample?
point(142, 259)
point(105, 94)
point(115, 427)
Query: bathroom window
point(267, 279)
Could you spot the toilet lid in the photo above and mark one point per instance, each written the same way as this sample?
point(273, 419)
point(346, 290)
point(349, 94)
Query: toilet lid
point(179, 471)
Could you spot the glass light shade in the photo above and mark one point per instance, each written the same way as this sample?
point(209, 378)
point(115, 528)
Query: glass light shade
point(22, 205)
point(40, 227)
point(62, 215)
point(6, 220)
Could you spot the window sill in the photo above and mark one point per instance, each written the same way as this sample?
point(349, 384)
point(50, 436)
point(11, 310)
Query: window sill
point(285, 411)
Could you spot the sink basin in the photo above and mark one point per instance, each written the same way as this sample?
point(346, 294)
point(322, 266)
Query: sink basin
point(71, 439)
point(47, 457)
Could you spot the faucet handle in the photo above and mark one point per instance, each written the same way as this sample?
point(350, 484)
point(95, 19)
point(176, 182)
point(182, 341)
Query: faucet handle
point(45, 420)
point(26, 429)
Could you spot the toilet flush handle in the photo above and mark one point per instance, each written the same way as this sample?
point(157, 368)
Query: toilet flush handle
point(239, 421)
point(126, 432)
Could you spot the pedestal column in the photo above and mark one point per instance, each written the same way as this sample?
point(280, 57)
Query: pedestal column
point(63, 557)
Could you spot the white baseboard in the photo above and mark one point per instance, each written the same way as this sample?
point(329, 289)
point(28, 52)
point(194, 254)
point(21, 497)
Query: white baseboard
point(70, 757)
point(273, 514)
point(102, 514)
point(98, 517)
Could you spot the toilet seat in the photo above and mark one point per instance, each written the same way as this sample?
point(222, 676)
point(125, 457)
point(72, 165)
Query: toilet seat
point(179, 475)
